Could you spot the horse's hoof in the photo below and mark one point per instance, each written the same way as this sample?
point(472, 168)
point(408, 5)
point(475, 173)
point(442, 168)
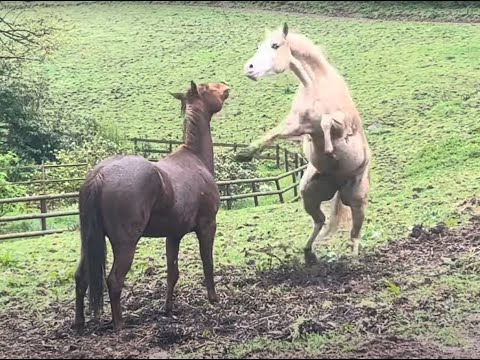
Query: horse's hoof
point(355, 260)
point(79, 327)
point(244, 156)
point(213, 298)
point(118, 327)
point(168, 308)
point(310, 258)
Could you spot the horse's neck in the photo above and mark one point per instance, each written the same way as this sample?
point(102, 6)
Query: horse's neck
point(308, 54)
point(323, 92)
point(198, 137)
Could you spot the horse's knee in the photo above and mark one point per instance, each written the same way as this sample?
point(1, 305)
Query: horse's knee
point(114, 286)
point(313, 209)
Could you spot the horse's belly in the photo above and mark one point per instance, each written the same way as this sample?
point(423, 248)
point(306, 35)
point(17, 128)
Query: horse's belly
point(347, 159)
point(161, 226)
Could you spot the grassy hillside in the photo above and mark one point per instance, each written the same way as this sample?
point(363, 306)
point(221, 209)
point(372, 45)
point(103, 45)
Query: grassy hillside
point(416, 85)
point(463, 11)
point(417, 88)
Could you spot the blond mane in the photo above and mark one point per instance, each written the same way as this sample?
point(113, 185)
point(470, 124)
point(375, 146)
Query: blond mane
point(304, 49)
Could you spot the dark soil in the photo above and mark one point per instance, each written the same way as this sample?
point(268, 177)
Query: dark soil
point(281, 304)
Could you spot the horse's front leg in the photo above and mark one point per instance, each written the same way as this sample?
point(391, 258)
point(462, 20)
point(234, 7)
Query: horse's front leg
point(291, 128)
point(172, 245)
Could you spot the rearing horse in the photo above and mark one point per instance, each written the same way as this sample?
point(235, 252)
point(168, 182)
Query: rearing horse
point(334, 142)
point(127, 197)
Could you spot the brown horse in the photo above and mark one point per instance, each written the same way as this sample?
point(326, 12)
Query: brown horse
point(127, 197)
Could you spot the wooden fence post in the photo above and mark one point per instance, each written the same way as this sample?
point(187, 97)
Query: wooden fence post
point(43, 203)
point(286, 160)
point(280, 195)
point(135, 146)
point(229, 202)
point(255, 197)
point(294, 176)
point(43, 210)
point(277, 155)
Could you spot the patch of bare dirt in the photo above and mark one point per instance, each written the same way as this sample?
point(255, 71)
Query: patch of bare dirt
point(280, 304)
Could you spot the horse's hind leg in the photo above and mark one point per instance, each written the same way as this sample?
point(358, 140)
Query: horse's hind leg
point(206, 236)
point(123, 252)
point(358, 216)
point(355, 195)
point(81, 285)
point(173, 245)
point(314, 189)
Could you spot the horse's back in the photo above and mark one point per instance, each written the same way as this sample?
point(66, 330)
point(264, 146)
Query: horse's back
point(130, 188)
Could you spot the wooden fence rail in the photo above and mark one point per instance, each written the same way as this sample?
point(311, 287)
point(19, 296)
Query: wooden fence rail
point(293, 164)
point(44, 179)
point(228, 199)
point(235, 146)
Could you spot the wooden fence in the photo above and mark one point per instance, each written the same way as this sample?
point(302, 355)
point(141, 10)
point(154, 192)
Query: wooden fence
point(293, 164)
point(144, 147)
point(44, 180)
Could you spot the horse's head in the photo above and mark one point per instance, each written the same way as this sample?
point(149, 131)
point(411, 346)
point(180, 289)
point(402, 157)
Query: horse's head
point(211, 96)
point(272, 57)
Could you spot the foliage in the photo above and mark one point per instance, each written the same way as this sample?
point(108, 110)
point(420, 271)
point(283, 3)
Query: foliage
point(36, 128)
point(26, 37)
point(99, 144)
point(226, 168)
point(7, 190)
point(420, 101)
point(32, 133)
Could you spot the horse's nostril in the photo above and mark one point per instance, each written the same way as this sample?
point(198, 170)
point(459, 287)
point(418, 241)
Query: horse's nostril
point(250, 66)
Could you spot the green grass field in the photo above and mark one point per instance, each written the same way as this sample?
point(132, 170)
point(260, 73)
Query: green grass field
point(416, 86)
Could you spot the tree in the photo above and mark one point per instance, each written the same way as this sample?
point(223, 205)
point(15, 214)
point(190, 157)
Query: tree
point(33, 130)
point(26, 38)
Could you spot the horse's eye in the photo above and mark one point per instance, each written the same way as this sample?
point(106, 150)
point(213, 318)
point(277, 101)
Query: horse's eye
point(275, 46)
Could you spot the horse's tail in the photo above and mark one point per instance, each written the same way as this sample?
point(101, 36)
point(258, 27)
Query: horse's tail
point(93, 241)
point(339, 213)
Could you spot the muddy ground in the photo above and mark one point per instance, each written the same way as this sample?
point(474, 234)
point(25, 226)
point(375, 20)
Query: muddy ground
point(263, 304)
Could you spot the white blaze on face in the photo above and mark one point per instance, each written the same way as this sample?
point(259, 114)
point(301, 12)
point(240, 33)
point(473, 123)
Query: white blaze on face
point(262, 64)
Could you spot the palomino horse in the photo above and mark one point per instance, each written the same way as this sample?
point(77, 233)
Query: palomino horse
point(334, 143)
point(127, 197)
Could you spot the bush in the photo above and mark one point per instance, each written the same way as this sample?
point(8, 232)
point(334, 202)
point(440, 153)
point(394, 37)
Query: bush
point(8, 190)
point(227, 168)
point(100, 144)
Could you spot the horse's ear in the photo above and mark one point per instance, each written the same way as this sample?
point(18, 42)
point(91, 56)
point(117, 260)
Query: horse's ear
point(285, 30)
point(178, 96)
point(193, 88)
